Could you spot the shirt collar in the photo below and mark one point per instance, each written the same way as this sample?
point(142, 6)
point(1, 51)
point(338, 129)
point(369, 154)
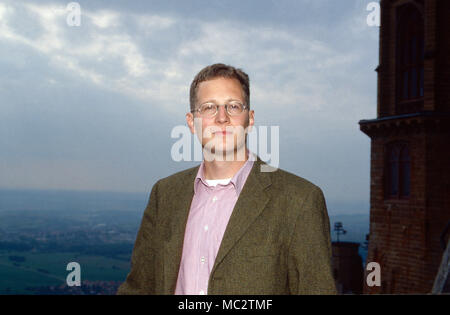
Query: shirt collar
point(238, 180)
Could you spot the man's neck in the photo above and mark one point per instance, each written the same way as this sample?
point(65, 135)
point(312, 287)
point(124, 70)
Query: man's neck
point(224, 169)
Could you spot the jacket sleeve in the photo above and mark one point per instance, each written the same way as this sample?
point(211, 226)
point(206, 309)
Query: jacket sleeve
point(141, 278)
point(309, 257)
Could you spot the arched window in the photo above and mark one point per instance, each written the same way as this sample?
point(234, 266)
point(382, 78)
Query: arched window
point(405, 171)
point(410, 59)
point(398, 171)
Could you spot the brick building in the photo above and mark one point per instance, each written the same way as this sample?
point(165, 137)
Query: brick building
point(347, 267)
point(410, 145)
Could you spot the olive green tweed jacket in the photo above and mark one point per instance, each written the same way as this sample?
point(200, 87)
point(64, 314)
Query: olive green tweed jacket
point(277, 240)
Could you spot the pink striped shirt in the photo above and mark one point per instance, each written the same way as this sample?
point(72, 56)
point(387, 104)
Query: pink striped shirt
point(210, 212)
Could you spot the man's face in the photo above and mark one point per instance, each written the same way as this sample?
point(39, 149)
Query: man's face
point(221, 91)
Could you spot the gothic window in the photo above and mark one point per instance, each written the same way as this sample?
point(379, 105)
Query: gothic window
point(410, 59)
point(398, 171)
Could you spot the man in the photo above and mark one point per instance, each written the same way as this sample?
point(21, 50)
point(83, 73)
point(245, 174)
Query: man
point(227, 226)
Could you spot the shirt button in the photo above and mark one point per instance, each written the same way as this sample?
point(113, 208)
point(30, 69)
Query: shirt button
point(202, 260)
point(214, 199)
point(202, 292)
point(206, 228)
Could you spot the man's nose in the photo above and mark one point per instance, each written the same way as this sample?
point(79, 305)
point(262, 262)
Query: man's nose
point(222, 115)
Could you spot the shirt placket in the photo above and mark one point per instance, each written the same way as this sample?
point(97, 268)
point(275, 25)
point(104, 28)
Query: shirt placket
point(204, 241)
point(208, 232)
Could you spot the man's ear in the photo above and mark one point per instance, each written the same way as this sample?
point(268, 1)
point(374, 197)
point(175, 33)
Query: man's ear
point(251, 120)
point(190, 122)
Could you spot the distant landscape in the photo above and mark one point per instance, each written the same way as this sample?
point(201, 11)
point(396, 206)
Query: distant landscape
point(42, 231)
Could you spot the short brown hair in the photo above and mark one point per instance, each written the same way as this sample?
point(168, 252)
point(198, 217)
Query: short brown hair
point(220, 70)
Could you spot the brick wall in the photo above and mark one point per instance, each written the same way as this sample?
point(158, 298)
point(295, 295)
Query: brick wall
point(443, 53)
point(404, 234)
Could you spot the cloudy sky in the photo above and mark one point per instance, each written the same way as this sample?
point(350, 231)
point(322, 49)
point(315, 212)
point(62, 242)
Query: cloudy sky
point(92, 107)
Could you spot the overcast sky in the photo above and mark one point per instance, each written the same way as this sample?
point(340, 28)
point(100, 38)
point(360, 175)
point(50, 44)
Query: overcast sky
point(92, 107)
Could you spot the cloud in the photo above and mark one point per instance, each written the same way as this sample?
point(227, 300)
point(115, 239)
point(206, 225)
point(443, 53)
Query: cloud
point(110, 51)
point(100, 53)
point(105, 90)
point(104, 18)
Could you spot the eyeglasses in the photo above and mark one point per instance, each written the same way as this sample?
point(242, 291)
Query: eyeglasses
point(209, 109)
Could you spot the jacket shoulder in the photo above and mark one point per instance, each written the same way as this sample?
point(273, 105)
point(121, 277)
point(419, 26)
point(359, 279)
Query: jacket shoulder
point(178, 178)
point(289, 181)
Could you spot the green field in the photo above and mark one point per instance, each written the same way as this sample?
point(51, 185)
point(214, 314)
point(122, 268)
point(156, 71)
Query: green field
point(43, 269)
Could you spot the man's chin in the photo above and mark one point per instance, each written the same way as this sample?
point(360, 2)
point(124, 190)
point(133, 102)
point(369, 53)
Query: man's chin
point(220, 153)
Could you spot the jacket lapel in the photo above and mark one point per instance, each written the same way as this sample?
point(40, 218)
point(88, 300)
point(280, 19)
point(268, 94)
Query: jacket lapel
point(248, 207)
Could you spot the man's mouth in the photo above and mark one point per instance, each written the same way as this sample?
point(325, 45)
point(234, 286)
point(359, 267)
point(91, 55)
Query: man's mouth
point(223, 133)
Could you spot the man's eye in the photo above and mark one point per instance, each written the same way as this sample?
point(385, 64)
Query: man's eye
point(235, 106)
point(208, 109)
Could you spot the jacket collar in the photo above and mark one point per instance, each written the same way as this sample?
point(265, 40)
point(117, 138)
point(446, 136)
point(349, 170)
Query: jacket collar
point(238, 180)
